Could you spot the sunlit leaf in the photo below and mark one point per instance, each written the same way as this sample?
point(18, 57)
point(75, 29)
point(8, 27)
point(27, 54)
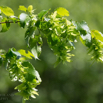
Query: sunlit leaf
point(97, 34)
point(34, 92)
point(2, 51)
point(82, 27)
point(0, 11)
point(35, 45)
point(34, 52)
point(24, 19)
point(62, 11)
point(30, 8)
point(23, 8)
point(85, 33)
point(60, 34)
point(7, 11)
point(28, 54)
point(37, 76)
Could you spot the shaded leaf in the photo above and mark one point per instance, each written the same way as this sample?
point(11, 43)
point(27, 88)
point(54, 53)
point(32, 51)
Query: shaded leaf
point(12, 53)
point(1, 60)
point(30, 69)
point(29, 33)
point(42, 13)
point(29, 77)
point(34, 41)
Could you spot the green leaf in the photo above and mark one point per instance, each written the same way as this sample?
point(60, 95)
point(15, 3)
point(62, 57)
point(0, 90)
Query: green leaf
point(29, 77)
point(24, 19)
point(24, 94)
point(15, 52)
point(28, 55)
point(37, 24)
point(22, 88)
point(2, 51)
point(1, 60)
point(82, 27)
point(23, 8)
point(42, 13)
point(5, 25)
point(35, 52)
point(12, 52)
point(23, 100)
point(7, 11)
point(29, 67)
point(98, 35)
point(31, 73)
point(0, 12)
point(14, 19)
point(38, 76)
point(35, 45)
point(30, 8)
point(29, 33)
point(62, 12)
point(34, 41)
point(85, 33)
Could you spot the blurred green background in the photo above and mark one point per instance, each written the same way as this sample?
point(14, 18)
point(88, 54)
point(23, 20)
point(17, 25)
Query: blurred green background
point(80, 81)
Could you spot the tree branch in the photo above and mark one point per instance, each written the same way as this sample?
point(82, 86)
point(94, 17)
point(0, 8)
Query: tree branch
point(9, 22)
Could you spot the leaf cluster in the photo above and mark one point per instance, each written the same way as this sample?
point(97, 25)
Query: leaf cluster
point(60, 33)
point(20, 69)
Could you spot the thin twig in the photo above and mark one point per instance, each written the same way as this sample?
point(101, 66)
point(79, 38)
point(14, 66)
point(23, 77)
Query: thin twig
point(9, 22)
